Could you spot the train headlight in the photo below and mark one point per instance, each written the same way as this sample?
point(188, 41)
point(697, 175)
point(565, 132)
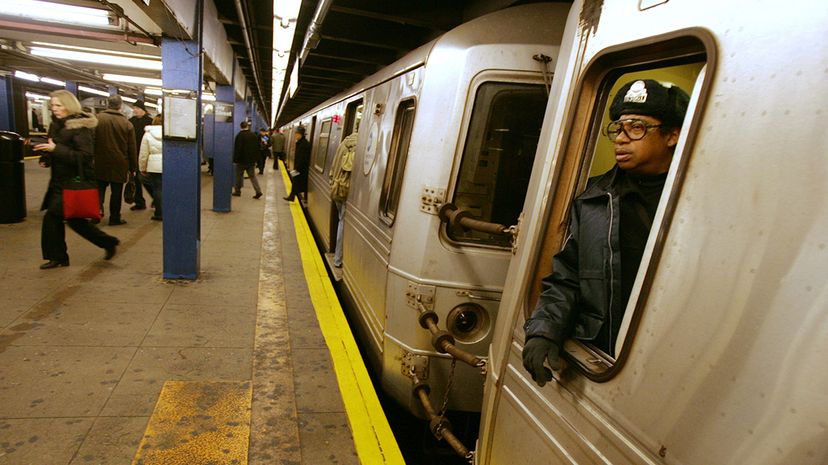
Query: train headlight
point(468, 322)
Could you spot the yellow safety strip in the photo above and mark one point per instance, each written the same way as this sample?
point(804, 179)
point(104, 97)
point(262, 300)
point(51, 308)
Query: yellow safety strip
point(198, 422)
point(374, 442)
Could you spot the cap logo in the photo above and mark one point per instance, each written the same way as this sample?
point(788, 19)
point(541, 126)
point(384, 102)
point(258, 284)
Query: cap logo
point(637, 93)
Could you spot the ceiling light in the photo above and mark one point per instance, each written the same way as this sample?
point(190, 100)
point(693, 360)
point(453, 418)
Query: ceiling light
point(150, 91)
point(153, 65)
point(150, 104)
point(56, 12)
point(128, 99)
point(208, 97)
point(53, 82)
point(34, 96)
point(96, 50)
point(90, 90)
point(27, 76)
point(132, 79)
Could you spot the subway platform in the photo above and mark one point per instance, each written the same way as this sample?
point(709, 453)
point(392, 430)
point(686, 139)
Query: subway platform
point(105, 362)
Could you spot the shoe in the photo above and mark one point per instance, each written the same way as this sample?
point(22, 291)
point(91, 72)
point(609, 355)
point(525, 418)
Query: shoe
point(95, 221)
point(54, 264)
point(110, 251)
point(288, 198)
point(138, 207)
point(258, 194)
point(236, 194)
point(116, 222)
point(156, 218)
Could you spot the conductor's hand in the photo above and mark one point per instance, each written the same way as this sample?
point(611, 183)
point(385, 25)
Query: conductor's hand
point(535, 351)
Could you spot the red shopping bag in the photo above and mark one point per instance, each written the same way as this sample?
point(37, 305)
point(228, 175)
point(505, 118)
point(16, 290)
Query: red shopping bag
point(80, 200)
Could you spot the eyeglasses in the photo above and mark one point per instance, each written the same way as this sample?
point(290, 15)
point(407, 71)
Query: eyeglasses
point(635, 129)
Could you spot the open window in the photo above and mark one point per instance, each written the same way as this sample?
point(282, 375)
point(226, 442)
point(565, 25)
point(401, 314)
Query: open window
point(353, 116)
point(397, 156)
point(684, 59)
point(498, 156)
point(320, 157)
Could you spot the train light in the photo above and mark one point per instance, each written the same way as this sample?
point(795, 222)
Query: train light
point(468, 322)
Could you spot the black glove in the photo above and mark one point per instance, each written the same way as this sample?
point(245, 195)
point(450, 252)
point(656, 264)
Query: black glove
point(535, 351)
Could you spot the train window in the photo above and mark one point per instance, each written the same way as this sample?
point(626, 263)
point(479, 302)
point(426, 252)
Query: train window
point(589, 165)
point(353, 116)
point(320, 157)
point(498, 155)
point(394, 169)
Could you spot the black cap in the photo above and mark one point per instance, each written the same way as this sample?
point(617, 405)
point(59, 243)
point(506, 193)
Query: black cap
point(300, 130)
point(139, 104)
point(648, 97)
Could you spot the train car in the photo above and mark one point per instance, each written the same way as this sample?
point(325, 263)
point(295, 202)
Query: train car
point(455, 121)
point(719, 353)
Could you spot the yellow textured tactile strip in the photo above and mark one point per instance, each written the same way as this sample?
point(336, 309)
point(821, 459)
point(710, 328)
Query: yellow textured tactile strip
point(198, 423)
point(373, 440)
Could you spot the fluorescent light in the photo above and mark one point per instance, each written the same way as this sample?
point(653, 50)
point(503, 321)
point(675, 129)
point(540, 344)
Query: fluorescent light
point(96, 50)
point(97, 58)
point(151, 91)
point(27, 76)
point(132, 79)
point(150, 105)
point(53, 82)
point(56, 12)
point(285, 13)
point(208, 97)
point(34, 96)
point(128, 99)
point(90, 90)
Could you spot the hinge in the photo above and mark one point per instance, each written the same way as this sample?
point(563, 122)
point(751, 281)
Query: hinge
point(421, 292)
point(431, 199)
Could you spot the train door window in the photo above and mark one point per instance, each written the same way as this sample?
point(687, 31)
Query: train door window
point(604, 327)
point(394, 169)
point(498, 155)
point(353, 116)
point(320, 157)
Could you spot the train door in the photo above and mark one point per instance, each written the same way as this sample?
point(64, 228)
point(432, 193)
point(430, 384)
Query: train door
point(353, 118)
point(565, 432)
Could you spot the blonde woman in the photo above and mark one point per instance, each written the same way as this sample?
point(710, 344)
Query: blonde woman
point(71, 141)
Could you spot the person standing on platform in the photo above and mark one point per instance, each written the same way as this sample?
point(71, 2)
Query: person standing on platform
point(140, 120)
point(150, 163)
point(245, 156)
point(340, 179)
point(264, 149)
point(277, 141)
point(299, 180)
point(115, 156)
point(71, 141)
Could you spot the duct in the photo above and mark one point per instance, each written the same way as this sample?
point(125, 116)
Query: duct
point(253, 65)
point(312, 37)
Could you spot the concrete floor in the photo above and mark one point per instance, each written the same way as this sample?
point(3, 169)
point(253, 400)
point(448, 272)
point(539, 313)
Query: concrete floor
point(85, 350)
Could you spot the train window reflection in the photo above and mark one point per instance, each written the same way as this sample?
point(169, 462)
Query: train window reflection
point(398, 154)
point(322, 146)
point(353, 116)
point(498, 156)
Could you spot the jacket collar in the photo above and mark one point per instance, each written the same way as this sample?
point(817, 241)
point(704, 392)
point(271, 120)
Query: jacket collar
point(602, 185)
point(80, 120)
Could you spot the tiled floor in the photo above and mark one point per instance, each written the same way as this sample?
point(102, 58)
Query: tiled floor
point(85, 350)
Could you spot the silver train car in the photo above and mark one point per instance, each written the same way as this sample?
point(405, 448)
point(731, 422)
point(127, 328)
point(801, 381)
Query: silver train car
point(455, 121)
point(722, 351)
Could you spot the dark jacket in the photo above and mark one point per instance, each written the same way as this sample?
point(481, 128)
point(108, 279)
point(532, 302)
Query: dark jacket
point(115, 151)
point(139, 124)
point(246, 148)
point(74, 139)
point(301, 163)
point(278, 141)
point(584, 290)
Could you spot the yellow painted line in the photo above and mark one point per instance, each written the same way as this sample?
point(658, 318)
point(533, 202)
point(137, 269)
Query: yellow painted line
point(31, 158)
point(198, 423)
point(373, 440)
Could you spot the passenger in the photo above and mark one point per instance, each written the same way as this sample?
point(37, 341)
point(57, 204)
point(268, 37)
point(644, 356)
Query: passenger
point(587, 292)
point(115, 156)
point(140, 120)
point(264, 149)
point(71, 140)
point(150, 162)
point(340, 179)
point(299, 180)
point(245, 155)
point(277, 139)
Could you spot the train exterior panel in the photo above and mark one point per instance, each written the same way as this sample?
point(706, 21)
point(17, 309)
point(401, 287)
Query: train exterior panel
point(728, 321)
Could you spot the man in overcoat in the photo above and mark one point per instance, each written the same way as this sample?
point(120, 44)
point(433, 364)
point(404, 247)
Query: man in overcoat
point(115, 156)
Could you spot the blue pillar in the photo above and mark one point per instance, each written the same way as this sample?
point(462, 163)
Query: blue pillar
point(223, 148)
point(72, 87)
point(112, 90)
point(7, 104)
point(182, 69)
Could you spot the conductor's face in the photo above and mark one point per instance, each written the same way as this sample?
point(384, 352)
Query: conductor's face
point(642, 146)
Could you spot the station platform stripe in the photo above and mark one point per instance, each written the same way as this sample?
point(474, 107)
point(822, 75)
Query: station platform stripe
point(374, 442)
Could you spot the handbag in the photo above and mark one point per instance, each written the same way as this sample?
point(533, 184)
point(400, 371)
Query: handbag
point(129, 189)
point(80, 197)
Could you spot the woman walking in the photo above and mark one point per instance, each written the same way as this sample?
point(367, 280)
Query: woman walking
point(71, 139)
point(150, 163)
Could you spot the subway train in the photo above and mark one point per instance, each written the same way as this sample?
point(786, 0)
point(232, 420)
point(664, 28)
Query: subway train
point(721, 353)
point(455, 121)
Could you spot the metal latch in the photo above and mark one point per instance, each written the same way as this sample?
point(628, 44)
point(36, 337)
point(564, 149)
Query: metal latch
point(414, 365)
point(420, 292)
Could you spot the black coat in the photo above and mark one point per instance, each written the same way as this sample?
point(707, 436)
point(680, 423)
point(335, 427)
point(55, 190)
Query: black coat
point(301, 163)
point(139, 124)
point(74, 139)
point(246, 148)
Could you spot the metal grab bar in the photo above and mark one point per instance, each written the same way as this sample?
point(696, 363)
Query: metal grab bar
point(455, 217)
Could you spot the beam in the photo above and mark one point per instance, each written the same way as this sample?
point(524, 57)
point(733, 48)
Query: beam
point(345, 40)
point(407, 20)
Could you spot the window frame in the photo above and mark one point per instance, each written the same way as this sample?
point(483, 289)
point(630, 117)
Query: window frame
point(485, 77)
point(389, 182)
point(581, 132)
point(319, 152)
